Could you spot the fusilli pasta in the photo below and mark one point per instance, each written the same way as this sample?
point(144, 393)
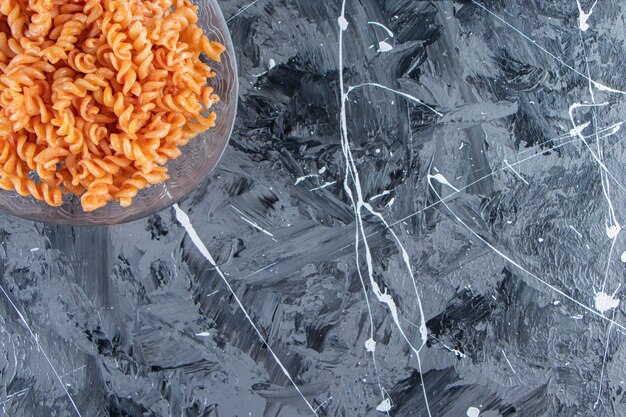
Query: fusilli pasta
point(97, 95)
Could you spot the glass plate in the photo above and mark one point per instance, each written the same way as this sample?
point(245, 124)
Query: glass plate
point(199, 157)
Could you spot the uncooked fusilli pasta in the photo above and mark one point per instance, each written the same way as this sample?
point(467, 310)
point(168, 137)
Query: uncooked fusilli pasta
point(97, 95)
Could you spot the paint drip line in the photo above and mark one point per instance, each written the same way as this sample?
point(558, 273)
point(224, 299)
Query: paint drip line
point(343, 25)
point(75, 370)
point(324, 403)
point(377, 196)
point(321, 187)
point(606, 353)
point(184, 220)
point(508, 361)
point(15, 394)
point(40, 348)
point(516, 173)
point(389, 32)
point(305, 177)
point(442, 180)
point(608, 263)
point(370, 344)
point(351, 170)
point(400, 93)
point(577, 132)
point(243, 9)
point(614, 230)
point(606, 185)
point(260, 270)
point(256, 226)
point(253, 224)
point(598, 85)
point(603, 176)
point(520, 267)
point(448, 348)
point(405, 257)
point(456, 352)
point(449, 196)
point(422, 327)
point(576, 231)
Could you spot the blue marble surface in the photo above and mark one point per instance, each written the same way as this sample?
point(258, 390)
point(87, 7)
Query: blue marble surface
point(419, 214)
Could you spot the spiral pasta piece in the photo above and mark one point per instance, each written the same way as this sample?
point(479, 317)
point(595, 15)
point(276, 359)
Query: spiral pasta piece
point(138, 181)
point(16, 19)
point(25, 186)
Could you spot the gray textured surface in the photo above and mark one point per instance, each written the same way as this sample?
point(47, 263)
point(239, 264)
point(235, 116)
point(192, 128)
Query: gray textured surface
point(136, 322)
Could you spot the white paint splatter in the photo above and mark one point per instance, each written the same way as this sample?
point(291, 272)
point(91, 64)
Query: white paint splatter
point(473, 412)
point(583, 17)
point(612, 231)
point(305, 177)
point(384, 46)
point(603, 87)
point(442, 180)
point(358, 204)
point(384, 406)
point(343, 130)
point(384, 193)
point(578, 129)
point(458, 353)
point(387, 299)
point(343, 23)
point(370, 345)
point(605, 302)
point(615, 228)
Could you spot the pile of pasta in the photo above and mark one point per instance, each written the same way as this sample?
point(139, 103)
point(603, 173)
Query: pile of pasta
point(96, 96)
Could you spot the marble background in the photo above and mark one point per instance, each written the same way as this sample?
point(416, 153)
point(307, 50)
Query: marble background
point(434, 230)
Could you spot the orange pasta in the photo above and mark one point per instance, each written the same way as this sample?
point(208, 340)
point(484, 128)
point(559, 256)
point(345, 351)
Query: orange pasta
point(97, 95)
